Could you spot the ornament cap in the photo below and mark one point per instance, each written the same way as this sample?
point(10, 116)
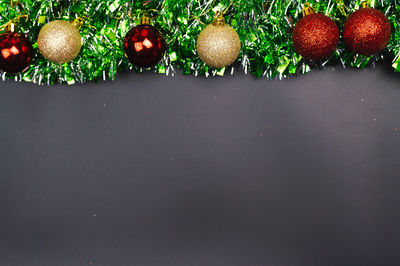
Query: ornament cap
point(219, 20)
point(78, 22)
point(307, 9)
point(365, 4)
point(145, 20)
point(11, 27)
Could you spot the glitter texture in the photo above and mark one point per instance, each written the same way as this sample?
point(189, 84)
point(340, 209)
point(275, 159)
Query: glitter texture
point(218, 45)
point(367, 31)
point(59, 41)
point(315, 36)
point(265, 28)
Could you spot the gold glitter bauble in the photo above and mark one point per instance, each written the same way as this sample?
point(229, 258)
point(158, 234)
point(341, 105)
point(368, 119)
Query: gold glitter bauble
point(218, 45)
point(59, 41)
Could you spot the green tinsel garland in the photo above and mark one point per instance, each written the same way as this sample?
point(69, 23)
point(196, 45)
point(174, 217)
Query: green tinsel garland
point(263, 26)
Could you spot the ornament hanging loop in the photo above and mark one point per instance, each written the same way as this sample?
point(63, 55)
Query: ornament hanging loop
point(342, 7)
point(227, 8)
point(307, 9)
point(15, 4)
point(267, 6)
point(219, 15)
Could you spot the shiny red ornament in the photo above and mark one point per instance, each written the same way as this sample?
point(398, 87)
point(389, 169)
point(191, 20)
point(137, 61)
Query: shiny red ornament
point(144, 46)
point(16, 52)
point(315, 36)
point(367, 31)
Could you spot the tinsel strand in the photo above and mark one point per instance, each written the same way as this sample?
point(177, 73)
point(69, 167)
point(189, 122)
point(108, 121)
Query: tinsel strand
point(264, 28)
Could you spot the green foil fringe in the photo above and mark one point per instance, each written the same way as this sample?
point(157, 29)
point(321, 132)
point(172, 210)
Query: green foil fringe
point(263, 26)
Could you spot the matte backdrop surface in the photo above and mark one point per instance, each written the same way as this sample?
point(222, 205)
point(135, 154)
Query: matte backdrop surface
point(156, 170)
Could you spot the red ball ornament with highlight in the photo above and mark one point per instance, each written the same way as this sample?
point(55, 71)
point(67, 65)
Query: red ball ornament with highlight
point(367, 31)
point(144, 46)
point(315, 36)
point(16, 52)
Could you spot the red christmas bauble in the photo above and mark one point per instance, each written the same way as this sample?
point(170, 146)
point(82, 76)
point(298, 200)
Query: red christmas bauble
point(15, 52)
point(144, 46)
point(315, 36)
point(366, 31)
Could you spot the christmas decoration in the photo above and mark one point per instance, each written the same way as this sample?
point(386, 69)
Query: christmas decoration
point(144, 45)
point(218, 45)
point(59, 41)
point(315, 36)
point(264, 27)
point(367, 31)
point(15, 51)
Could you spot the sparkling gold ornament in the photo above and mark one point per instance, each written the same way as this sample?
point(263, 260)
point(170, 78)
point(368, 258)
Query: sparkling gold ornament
point(59, 41)
point(218, 45)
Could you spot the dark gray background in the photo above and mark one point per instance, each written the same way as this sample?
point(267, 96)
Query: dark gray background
point(156, 170)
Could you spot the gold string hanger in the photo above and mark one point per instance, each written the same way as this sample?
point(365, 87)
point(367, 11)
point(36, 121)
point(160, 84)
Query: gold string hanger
point(15, 5)
point(308, 9)
point(12, 4)
point(219, 15)
point(11, 25)
point(342, 7)
point(202, 13)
